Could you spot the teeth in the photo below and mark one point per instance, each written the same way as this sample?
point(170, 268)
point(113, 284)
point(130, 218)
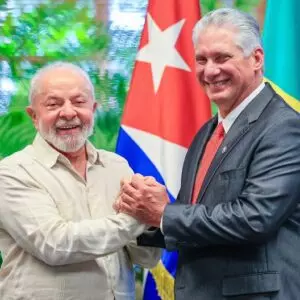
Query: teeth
point(68, 127)
point(219, 83)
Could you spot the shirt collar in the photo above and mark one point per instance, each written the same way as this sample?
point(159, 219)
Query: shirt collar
point(232, 116)
point(50, 156)
point(93, 154)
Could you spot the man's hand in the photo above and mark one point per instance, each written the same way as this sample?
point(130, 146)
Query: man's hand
point(143, 198)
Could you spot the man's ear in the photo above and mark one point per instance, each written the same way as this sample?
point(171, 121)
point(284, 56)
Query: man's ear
point(258, 56)
point(95, 105)
point(32, 114)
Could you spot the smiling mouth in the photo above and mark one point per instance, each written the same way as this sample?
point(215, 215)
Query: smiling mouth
point(67, 128)
point(218, 84)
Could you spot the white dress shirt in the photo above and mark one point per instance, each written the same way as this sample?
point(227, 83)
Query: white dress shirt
point(232, 116)
point(59, 235)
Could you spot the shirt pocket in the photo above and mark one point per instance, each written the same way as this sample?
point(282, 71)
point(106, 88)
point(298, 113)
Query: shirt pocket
point(251, 286)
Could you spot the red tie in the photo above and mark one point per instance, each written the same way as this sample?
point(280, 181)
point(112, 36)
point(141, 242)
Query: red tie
point(210, 151)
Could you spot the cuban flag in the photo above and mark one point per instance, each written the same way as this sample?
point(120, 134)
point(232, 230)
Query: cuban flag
point(165, 108)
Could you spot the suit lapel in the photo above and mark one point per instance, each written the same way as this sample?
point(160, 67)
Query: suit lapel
point(236, 132)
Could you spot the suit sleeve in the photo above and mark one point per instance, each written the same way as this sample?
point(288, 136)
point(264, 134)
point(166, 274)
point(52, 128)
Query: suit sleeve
point(152, 237)
point(269, 197)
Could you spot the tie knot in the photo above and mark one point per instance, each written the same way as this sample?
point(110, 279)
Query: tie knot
point(219, 131)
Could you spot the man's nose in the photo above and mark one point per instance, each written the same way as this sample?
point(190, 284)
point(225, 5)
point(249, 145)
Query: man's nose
point(68, 111)
point(211, 70)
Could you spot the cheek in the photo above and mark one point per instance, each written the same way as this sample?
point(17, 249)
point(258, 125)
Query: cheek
point(47, 121)
point(86, 116)
point(198, 68)
point(239, 78)
point(199, 72)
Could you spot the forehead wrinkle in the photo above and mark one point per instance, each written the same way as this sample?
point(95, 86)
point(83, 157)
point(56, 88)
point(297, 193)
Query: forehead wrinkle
point(54, 90)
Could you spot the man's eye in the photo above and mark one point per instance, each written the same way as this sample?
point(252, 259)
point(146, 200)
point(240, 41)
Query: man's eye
point(52, 104)
point(201, 61)
point(222, 58)
point(78, 100)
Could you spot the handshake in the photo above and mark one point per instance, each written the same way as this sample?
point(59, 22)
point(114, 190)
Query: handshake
point(142, 198)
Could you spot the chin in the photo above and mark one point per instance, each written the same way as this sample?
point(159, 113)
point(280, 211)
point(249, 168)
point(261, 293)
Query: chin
point(219, 101)
point(69, 147)
point(216, 98)
point(221, 97)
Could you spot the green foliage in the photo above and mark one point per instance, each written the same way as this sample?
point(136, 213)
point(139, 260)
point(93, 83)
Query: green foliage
point(57, 30)
point(109, 114)
point(50, 31)
point(244, 5)
point(209, 5)
point(16, 131)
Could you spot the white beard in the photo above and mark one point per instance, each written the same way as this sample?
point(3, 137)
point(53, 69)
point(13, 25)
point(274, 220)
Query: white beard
point(69, 142)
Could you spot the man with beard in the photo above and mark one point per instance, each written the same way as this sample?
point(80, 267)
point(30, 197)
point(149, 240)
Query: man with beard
point(59, 235)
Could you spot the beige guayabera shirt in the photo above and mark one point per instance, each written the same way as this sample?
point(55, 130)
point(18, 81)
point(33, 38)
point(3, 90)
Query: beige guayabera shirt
point(59, 235)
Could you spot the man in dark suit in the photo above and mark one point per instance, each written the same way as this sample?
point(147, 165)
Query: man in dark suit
point(236, 220)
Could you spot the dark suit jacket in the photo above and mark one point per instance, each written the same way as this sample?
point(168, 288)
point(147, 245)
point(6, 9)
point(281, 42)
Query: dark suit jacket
point(242, 240)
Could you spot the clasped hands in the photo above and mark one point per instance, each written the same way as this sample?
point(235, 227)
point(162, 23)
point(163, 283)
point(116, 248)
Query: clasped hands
point(142, 198)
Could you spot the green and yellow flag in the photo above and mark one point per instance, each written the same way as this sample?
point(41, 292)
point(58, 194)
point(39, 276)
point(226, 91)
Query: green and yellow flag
point(281, 39)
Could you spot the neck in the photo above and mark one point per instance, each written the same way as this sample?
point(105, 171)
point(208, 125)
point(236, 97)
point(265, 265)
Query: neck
point(78, 160)
point(79, 155)
point(225, 109)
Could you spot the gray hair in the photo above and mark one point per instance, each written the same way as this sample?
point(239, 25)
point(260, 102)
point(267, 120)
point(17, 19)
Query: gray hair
point(34, 83)
point(248, 32)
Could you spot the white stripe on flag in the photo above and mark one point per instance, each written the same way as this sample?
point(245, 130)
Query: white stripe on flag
point(166, 156)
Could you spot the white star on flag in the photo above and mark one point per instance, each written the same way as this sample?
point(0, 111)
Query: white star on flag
point(160, 52)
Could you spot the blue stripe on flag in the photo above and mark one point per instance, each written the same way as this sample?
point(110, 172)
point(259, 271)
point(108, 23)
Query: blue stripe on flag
point(137, 159)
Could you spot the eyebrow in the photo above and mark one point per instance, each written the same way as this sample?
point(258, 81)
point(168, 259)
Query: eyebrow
point(199, 55)
point(80, 94)
point(53, 97)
